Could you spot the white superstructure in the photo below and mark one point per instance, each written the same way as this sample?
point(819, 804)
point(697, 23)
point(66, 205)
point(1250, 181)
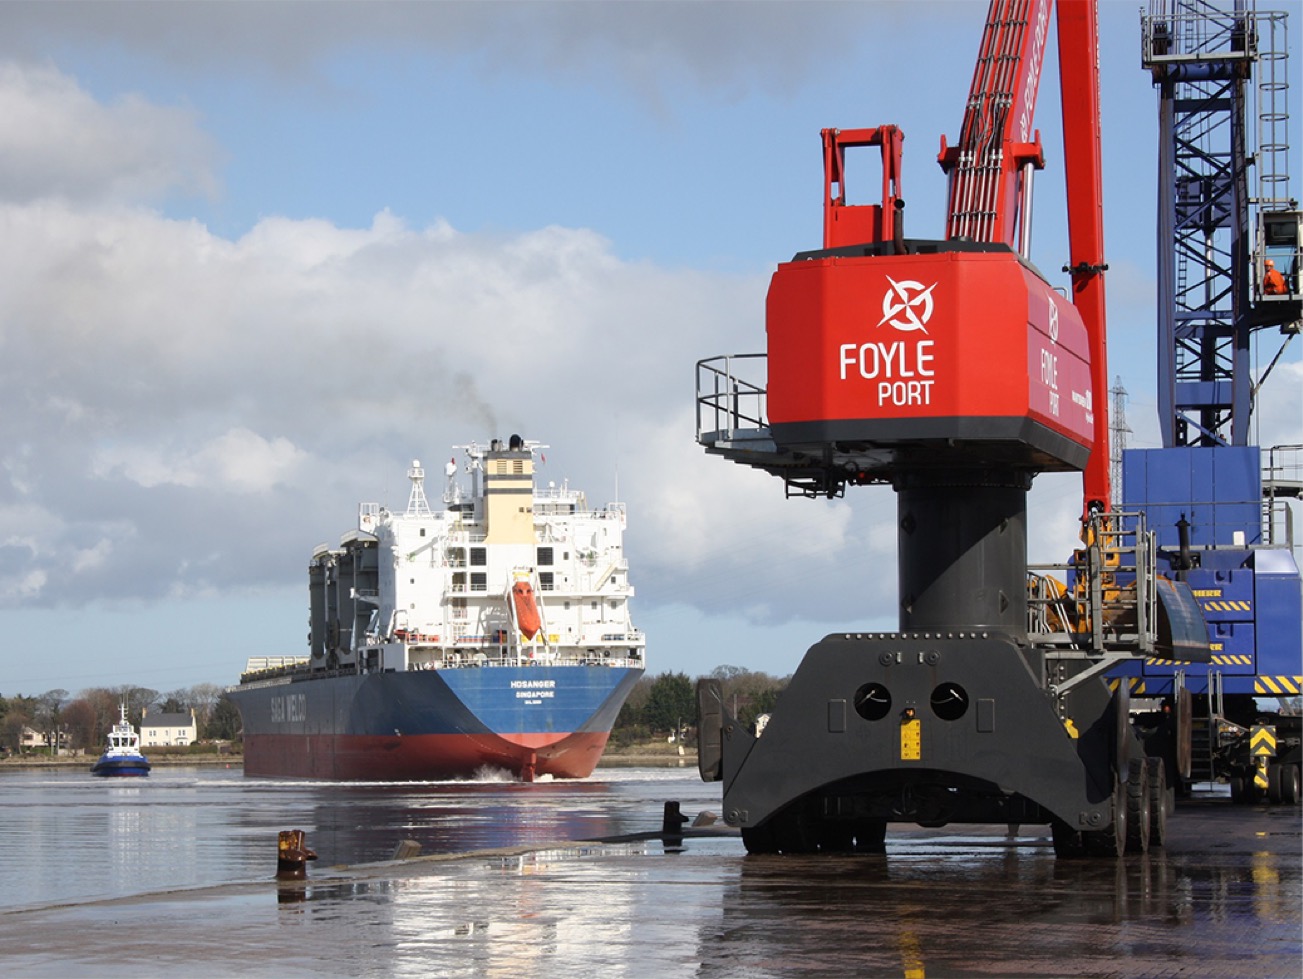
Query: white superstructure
point(506, 572)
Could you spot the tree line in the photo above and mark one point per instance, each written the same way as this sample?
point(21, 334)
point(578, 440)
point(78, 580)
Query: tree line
point(665, 705)
point(83, 722)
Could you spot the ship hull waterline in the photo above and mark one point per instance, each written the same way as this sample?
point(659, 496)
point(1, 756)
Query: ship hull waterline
point(120, 768)
point(433, 725)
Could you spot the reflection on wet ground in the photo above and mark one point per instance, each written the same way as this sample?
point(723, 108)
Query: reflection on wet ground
point(1223, 899)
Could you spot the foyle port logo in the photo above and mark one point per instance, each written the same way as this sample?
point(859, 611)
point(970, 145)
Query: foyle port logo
point(902, 370)
point(907, 305)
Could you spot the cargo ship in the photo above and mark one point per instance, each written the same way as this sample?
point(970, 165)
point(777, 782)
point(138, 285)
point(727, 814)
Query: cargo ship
point(492, 634)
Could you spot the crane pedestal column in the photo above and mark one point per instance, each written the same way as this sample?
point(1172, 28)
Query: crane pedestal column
point(962, 543)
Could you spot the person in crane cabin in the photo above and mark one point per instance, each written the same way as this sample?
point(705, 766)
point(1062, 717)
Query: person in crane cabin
point(1273, 283)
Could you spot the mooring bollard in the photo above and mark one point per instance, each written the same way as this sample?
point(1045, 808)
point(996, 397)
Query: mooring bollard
point(292, 855)
point(673, 820)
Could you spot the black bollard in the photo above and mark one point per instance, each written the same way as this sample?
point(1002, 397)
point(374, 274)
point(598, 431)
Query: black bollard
point(292, 855)
point(673, 820)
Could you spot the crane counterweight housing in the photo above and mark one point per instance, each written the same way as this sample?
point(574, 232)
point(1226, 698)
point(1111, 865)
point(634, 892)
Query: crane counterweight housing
point(950, 344)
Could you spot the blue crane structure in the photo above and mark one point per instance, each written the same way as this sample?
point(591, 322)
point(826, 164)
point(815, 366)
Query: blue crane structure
point(1229, 248)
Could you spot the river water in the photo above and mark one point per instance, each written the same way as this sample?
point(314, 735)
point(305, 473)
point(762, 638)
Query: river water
point(172, 876)
point(67, 836)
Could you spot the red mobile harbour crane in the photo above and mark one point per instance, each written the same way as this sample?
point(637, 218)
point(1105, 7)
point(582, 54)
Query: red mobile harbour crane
point(954, 371)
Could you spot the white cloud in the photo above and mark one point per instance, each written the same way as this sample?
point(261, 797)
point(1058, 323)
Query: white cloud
point(57, 141)
point(170, 374)
point(21, 587)
point(92, 557)
point(166, 375)
point(239, 460)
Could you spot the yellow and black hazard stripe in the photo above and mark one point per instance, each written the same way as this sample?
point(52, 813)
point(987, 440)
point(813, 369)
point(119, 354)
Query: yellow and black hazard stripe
point(1278, 686)
point(1262, 741)
point(1233, 659)
point(1228, 606)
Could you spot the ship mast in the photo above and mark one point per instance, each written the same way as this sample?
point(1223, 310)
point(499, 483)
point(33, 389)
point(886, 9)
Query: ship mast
point(417, 505)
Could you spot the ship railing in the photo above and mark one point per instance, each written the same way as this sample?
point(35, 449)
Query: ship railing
point(295, 666)
point(270, 667)
point(258, 664)
point(461, 537)
point(481, 658)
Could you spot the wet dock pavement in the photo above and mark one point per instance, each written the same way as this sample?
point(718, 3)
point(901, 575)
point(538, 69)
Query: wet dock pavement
point(1222, 899)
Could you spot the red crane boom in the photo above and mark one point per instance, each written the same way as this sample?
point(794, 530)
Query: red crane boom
point(990, 170)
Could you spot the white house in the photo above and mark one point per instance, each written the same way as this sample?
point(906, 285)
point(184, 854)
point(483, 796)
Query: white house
point(158, 728)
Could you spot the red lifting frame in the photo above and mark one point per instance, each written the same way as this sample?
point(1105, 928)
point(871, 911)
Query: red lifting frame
point(847, 224)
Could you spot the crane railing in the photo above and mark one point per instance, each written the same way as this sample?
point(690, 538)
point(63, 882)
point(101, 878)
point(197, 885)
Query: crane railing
point(728, 404)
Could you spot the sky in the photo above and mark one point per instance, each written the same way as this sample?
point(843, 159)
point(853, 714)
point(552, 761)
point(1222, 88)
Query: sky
point(257, 257)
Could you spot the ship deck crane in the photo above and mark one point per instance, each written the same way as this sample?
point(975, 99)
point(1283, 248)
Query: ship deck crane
point(954, 371)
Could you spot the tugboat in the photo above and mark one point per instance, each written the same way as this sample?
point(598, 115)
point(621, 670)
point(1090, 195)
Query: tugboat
point(122, 756)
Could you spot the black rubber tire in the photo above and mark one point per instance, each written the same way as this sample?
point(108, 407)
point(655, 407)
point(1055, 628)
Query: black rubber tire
point(1289, 785)
point(1138, 807)
point(1273, 782)
point(1184, 734)
point(1239, 792)
point(1111, 841)
point(1158, 802)
point(1068, 842)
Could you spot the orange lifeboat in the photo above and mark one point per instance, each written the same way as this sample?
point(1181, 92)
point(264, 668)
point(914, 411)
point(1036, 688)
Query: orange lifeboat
point(527, 618)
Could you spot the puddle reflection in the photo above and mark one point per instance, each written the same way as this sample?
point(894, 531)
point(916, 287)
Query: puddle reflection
point(957, 911)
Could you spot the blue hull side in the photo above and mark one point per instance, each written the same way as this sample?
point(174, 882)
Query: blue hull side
point(121, 767)
point(432, 724)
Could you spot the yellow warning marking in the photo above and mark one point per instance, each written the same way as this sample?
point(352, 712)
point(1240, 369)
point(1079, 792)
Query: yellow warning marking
point(1279, 686)
point(911, 956)
point(1262, 742)
point(1260, 774)
point(1237, 659)
point(1228, 606)
point(911, 740)
point(1206, 592)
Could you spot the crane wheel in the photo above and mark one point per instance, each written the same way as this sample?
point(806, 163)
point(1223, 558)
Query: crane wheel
point(1158, 802)
point(1273, 782)
point(1111, 841)
point(1139, 807)
point(1289, 784)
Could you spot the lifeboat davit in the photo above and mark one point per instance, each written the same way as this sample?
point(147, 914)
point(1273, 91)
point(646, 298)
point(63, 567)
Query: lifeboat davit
point(527, 618)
